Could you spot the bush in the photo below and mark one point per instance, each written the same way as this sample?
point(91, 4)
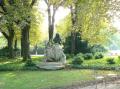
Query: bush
point(88, 56)
point(78, 59)
point(98, 56)
point(80, 54)
point(4, 52)
point(118, 57)
point(68, 56)
point(29, 63)
point(110, 61)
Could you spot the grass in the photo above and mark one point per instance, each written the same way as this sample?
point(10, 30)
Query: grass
point(99, 64)
point(44, 79)
point(17, 64)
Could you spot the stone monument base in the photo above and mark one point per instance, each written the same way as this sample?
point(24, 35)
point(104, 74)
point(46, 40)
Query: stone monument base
point(51, 65)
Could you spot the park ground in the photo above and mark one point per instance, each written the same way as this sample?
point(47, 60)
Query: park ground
point(14, 74)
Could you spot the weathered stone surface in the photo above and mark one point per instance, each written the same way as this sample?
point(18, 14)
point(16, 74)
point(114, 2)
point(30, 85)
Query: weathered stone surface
point(54, 53)
point(51, 65)
point(54, 58)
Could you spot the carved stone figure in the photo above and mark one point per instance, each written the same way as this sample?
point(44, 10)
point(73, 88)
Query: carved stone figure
point(54, 53)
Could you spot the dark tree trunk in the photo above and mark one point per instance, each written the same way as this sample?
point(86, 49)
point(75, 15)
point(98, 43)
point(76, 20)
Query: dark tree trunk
point(51, 31)
point(73, 39)
point(51, 22)
point(25, 43)
point(10, 47)
point(22, 47)
point(73, 32)
point(10, 42)
point(9, 38)
point(15, 44)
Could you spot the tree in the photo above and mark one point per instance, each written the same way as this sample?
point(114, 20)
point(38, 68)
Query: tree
point(64, 27)
point(93, 22)
point(19, 13)
point(24, 17)
point(52, 6)
point(6, 23)
point(89, 18)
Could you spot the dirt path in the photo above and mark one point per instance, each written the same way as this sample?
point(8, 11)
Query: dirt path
point(110, 85)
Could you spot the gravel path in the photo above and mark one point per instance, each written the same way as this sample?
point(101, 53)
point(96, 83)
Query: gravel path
point(110, 85)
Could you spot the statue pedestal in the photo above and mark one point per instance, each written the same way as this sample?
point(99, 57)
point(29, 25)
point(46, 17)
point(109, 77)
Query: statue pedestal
point(51, 65)
point(54, 58)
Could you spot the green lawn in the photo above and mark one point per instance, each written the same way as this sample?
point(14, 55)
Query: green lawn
point(43, 79)
point(17, 64)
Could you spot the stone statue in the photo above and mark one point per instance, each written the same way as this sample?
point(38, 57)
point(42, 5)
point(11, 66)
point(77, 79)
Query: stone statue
point(57, 39)
point(54, 53)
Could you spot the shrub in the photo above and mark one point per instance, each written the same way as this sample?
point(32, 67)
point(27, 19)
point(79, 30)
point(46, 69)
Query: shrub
point(29, 63)
point(98, 55)
point(69, 56)
point(4, 52)
point(88, 56)
point(118, 57)
point(110, 61)
point(80, 54)
point(78, 59)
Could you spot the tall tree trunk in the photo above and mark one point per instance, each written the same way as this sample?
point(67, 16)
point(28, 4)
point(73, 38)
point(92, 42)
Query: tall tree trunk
point(9, 38)
point(73, 32)
point(15, 44)
point(73, 45)
point(10, 42)
point(25, 43)
point(10, 47)
point(51, 22)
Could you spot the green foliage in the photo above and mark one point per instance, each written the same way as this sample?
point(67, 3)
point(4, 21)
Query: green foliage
point(78, 59)
point(119, 57)
point(4, 52)
point(88, 56)
point(98, 55)
point(93, 22)
point(101, 64)
point(29, 63)
point(110, 61)
point(68, 56)
point(64, 27)
point(81, 45)
point(2, 42)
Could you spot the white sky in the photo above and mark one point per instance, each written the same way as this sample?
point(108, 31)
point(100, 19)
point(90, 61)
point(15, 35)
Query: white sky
point(116, 23)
